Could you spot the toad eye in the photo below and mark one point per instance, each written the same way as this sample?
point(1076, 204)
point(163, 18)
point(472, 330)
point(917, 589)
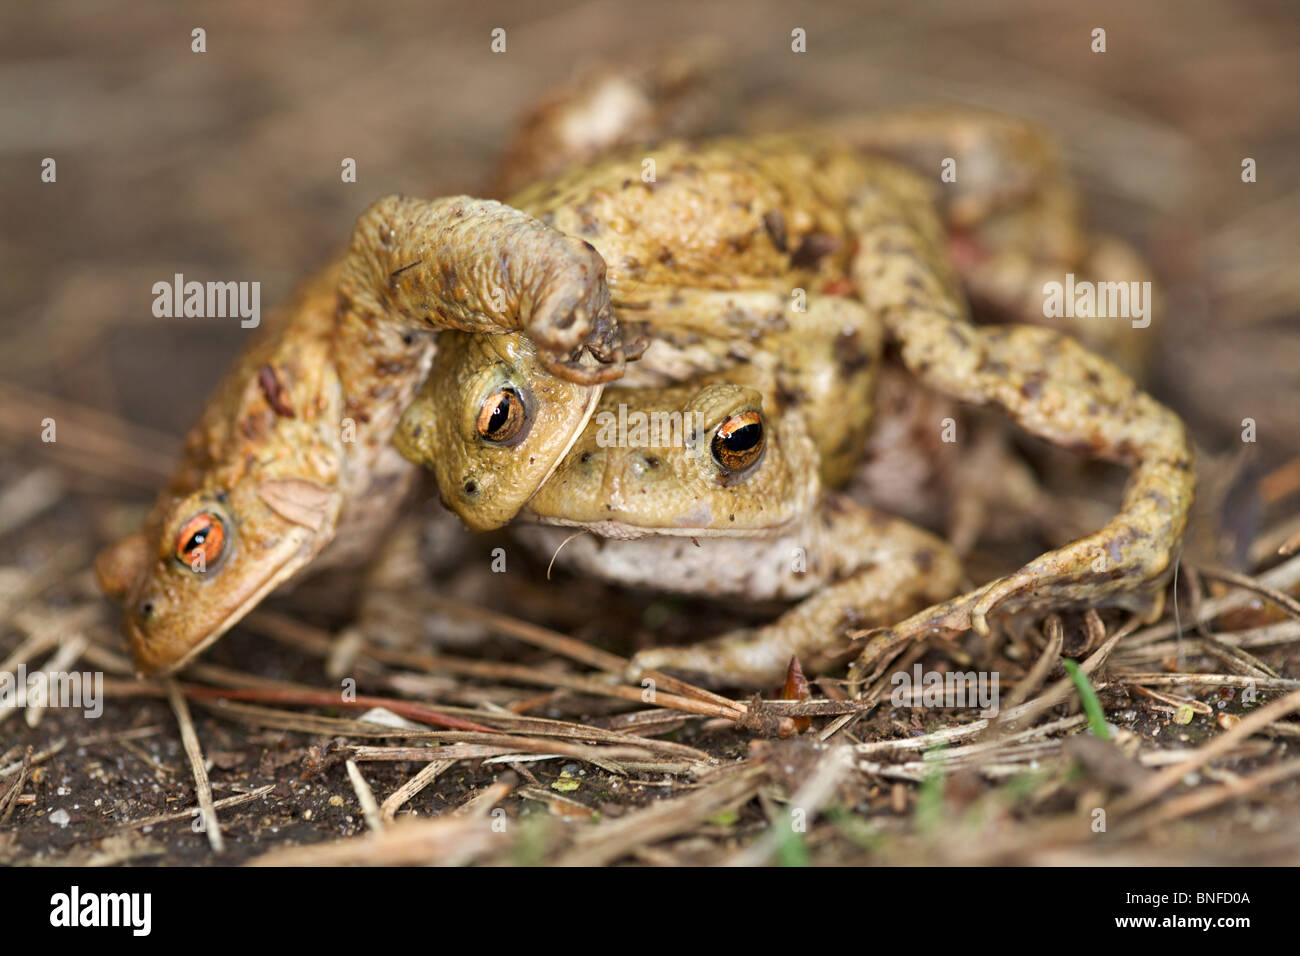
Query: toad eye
point(502, 417)
point(201, 541)
point(739, 441)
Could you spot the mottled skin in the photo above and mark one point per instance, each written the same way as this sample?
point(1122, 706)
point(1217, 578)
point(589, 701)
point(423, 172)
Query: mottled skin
point(483, 480)
point(822, 362)
point(272, 478)
point(613, 105)
point(478, 266)
point(1014, 217)
point(672, 517)
point(704, 257)
point(294, 449)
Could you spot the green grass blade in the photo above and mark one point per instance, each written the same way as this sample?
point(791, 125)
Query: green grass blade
point(1091, 705)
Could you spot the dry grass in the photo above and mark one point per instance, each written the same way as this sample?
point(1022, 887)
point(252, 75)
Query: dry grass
point(694, 777)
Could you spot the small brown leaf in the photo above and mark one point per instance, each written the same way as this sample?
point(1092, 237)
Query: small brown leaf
point(796, 688)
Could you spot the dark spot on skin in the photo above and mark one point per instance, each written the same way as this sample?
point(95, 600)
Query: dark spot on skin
point(814, 247)
point(913, 282)
point(739, 244)
point(850, 354)
point(666, 257)
point(274, 391)
point(924, 559)
point(471, 487)
point(408, 338)
point(731, 517)
point(790, 396)
point(959, 337)
point(417, 431)
point(1031, 389)
point(585, 457)
point(774, 223)
point(355, 411)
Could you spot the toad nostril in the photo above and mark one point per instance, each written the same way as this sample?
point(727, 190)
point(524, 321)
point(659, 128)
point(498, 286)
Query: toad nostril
point(146, 609)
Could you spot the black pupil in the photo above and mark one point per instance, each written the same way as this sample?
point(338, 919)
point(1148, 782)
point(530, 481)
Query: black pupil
point(197, 540)
point(500, 414)
point(744, 438)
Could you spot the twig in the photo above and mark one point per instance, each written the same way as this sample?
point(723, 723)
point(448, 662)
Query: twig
point(235, 801)
point(1283, 600)
point(192, 750)
point(1206, 680)
point(606, 842)
point(1197, 801)
point(9, 799)
point(410, 788)
point(1170, 776)
point(808, 799)
point(1280, 578)
point(365, 796)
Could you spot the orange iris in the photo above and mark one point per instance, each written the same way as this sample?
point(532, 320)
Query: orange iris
point(205, 535)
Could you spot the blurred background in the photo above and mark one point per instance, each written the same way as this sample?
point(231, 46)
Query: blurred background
point(225, 165)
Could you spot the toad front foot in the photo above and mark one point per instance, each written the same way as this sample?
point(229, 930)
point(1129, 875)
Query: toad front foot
point(899, 568)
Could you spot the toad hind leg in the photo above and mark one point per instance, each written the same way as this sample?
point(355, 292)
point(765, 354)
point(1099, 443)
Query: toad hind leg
point(1054, 388)
point(883, 569)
